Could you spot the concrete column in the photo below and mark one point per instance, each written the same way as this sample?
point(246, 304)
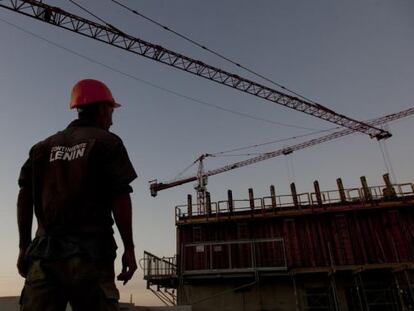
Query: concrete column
point(273, 196)
point(251, 198)
point(389, 191)
point(341, 190)
point(294, 195)
point(208, 203)
point(317, 192)
point(365, 189)
point(189, 205)
point(230, 200)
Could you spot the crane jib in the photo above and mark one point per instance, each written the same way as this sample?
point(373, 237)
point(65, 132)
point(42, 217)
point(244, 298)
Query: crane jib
point(285, 151)
point(111, 35)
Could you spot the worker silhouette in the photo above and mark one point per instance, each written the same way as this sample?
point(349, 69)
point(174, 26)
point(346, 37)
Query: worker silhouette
point(74, 181)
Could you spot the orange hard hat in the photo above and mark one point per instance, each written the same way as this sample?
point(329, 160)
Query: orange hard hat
point(89, 91)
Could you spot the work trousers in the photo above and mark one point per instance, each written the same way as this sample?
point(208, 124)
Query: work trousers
point(87, 286)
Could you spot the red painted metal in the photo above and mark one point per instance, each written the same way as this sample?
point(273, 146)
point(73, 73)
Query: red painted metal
point(360, 236)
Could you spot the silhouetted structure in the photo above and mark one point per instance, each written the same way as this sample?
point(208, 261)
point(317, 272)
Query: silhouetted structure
point(344, 249)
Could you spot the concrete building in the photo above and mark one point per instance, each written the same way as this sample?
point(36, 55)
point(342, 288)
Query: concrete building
point(344, 249)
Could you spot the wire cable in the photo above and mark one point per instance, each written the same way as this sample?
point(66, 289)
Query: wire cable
point(383, 156)
point(394, 177)
point(120, 31)
point(172, 92)
point(97, 17)
point(291, 168)
point(184, 170)
point(188, 39)
point(273, 142)
point(198, 101)
point(386, 156)
point(241, 154)
point(290, 160)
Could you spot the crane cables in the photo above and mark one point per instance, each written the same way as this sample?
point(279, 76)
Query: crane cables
point(309, 143)
point(151, 84)
point(60, 18)
point(96, 16)
point(202, 46)
point(306, 144)
point(198, 101)
point(224, 153)
point(386, 157)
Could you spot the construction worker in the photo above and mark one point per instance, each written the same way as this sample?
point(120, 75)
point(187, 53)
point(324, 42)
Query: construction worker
point(74, 181)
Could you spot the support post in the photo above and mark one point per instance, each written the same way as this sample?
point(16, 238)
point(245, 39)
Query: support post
point(317, 192)
point(294, 195)
point(389, 191)
point(341, 190)
point(273, 196)
point(189, 205)
point(230, 201)
point(251, 199)
point(334, 291)
point(399, 292)
point(359, 286)
point(365, 189)
point(409, 285)
point(208, 204)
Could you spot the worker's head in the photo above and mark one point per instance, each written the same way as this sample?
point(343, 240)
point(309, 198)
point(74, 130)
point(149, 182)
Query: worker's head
point(94, 101)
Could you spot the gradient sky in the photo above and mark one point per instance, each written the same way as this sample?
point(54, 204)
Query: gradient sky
point(356, 57)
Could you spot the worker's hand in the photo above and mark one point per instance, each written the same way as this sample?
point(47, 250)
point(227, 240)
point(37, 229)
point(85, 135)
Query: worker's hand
point(129, 266)
point(22, 263)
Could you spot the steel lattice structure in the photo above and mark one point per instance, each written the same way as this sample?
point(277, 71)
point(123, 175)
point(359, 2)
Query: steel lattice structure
point(155, 187)
point(110, 35)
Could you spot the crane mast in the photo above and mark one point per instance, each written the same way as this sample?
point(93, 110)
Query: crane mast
point(155, 187)
point(112, 36)
point(201, 186)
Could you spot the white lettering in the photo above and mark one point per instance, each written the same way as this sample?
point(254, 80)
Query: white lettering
point(68, 156)
point(59, 155)
point(67, 153)
point(80, 153)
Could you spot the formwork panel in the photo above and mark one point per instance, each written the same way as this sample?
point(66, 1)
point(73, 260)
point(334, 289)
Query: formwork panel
point(359, 237)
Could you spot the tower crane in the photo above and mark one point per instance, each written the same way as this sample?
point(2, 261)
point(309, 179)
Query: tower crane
point(115, 37)
point(202, 176)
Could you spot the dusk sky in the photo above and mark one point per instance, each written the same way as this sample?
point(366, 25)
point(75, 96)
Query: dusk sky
point(355, 57)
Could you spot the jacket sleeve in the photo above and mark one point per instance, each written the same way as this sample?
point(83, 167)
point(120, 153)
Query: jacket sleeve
point(25, 177)
point(119, 170)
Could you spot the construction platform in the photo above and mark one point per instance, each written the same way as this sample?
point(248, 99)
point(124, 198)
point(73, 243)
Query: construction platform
point(326, 244)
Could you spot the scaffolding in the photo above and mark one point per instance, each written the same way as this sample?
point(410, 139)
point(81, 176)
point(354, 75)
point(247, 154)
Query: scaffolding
point(161, 276)
point(303, 202)
point(344, 249)
point(229, 257)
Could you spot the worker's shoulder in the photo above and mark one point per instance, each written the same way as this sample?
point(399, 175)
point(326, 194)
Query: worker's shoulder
point(75, 135)
point(95, 133)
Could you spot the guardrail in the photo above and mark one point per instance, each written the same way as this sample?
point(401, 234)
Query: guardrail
point(234, 256)
point(305, 200)
point(158, 267)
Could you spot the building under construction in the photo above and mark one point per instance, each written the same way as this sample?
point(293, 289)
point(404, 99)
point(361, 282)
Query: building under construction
point(343, 249)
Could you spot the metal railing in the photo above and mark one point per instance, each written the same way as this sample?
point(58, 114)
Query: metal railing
point(234, 256)
point(329, 198)
point(158, 267)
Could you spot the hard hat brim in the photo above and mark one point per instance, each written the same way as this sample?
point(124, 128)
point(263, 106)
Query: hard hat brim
point(90, 91)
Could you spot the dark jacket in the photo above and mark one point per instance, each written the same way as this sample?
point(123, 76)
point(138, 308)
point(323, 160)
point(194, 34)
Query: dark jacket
point(73, 176)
